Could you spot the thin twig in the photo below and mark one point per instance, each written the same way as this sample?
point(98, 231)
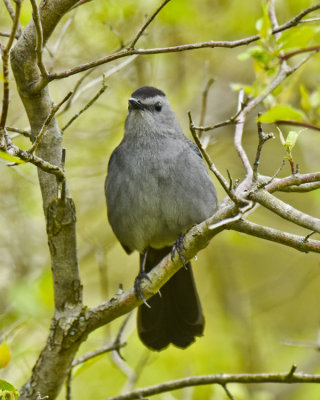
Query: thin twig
point(285, 211)
point(5, 68)
point(228, 393)
point(39, 41)
point(204, 101)
point(102, 77)
point(229, 221)
point(75, 90)
point(284, 72)
point(61, 34)
point(173, 49)
point(68, 385)
point(296, 19)
point(304, 188)
point(232, 120)
point(294, 181)
point(299, 343)
point(89, 104)
point(80, 3)
point(138, 369)
point(161, 50)
point(119, 360)
point(25, 156)
point(210, 163)
point(120, 333)
point(286, 56)
point(221, 379)
point(53, 111)
point(307, 20)
point(292, 370)
point(274, 235)
point(10, 9)
point(263, 137)
point(11, 12)
point(7, 34)
point(20, 131)
point(238, 140)
point(273, 18)
point(296, 123)
point(92, 354)
point(146, 24)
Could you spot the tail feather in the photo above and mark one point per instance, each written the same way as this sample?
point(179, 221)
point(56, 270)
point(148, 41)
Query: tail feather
point(175, 316)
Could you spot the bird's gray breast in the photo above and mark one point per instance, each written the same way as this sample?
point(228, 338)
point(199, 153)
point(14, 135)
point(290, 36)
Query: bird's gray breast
point(156, 190)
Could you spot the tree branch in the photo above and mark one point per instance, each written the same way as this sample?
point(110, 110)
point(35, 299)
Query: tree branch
point(39, 41)
point(92, 354)
point(296, 123)
point(54, 109)
point(263, 232)
point(214, 169)
point(263, 137)
point(286, 211)
point(89, 104)
point(303, 188)
point(204, 101)
point(292, 181)
point(221, 379)
point(5, 65)
point(286, 56)
point(33, 159)
point(173, 49)
point(23, 132)
point(243, 111)
point(146, 24)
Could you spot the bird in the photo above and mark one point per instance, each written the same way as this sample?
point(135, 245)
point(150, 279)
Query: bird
point(157, 187)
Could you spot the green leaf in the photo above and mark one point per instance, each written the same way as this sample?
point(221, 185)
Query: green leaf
point(282, 112)
point(10, 158)
point(263, 24)
point(297, 38)
point(4, 385)
point(258, 53)
point(291, 141)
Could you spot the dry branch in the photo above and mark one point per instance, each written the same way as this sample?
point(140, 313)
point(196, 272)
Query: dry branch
point(222, 379)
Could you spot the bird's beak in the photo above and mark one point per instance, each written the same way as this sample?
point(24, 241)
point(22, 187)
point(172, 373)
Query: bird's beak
point(135, 104)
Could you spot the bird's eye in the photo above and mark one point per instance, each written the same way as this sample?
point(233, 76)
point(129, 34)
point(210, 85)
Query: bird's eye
point(158, 106)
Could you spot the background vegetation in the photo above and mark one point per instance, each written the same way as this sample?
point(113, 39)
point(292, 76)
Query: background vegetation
point(260, 299)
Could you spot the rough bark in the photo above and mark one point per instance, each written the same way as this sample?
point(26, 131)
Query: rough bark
point(57, 356)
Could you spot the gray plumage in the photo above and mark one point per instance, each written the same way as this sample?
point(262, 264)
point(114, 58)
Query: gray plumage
point(157, 187)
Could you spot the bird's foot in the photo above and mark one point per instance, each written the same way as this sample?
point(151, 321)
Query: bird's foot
point(178, 246)
point(137, 286)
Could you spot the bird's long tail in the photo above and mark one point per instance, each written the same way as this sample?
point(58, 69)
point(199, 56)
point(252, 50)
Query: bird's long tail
point(176, 315)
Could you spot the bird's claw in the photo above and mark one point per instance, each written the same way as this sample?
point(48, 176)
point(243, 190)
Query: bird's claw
point(178, 246)
point(137, 287)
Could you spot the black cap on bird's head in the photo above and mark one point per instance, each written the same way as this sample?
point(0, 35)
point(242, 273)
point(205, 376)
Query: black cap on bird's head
point(140, 98)
point(147, 91)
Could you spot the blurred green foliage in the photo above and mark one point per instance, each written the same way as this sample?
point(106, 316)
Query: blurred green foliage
point(257, 296)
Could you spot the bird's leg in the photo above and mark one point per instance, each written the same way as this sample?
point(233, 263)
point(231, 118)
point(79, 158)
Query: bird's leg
point(142, 274)
point(178, 246)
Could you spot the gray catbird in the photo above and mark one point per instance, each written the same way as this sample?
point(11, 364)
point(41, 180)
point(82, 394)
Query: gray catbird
point(157, 187)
